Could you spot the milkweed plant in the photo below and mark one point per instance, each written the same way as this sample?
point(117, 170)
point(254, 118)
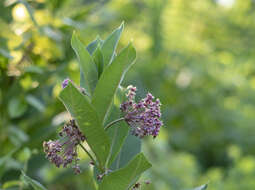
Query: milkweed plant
point(108, 123)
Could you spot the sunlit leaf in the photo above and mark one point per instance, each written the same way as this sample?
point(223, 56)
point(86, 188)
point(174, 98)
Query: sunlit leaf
point(31, 13)
point(110, 44)
point(10, 184)
point(110, 81)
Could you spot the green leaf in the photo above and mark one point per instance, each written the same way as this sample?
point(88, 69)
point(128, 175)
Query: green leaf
point(131, 147)
point(94, 44)
point(110, 81)
point(85, 115)
point(10, 184)
point(87, 66)
point(99, 60)
point(35, 184)
point(110, 44)
point(203, 187)
point(127, 176)
point(16, 135)
point(16, 107)
point(119, 131)
point(35, 102)
point(5, 53)
point(5, 159)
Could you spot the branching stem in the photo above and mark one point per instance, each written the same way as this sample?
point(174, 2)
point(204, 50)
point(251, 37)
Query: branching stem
point(114, 122)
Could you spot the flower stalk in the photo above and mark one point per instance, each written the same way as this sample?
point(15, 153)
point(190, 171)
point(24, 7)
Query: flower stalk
point(91, 157)
point(113, 122)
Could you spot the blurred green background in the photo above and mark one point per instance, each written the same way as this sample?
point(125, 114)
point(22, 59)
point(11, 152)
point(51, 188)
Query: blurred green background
point(196, 56)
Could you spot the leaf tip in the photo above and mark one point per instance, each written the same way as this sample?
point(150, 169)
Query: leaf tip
point(22, 172)
point(122, 25)
point(98, 38)
point(74, 34)
point(132, 48)
point(74, 37)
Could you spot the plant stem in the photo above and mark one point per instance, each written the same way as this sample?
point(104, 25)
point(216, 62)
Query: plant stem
point(113, 122)
point(91, 157)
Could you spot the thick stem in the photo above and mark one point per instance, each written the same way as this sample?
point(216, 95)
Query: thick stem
point(114, 122)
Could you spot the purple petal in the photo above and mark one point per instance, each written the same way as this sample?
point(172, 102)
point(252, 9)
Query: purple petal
point(65, 83)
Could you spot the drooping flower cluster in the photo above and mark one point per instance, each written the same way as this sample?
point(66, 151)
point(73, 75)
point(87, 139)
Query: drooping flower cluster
point(143, 117)
point(63, 152)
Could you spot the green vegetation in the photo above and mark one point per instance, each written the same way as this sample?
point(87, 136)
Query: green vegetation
point(196, 56)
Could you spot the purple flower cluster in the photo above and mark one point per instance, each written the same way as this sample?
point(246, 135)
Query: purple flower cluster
point(64, 151)
point(143, 117)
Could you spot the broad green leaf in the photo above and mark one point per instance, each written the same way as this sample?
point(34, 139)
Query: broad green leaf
point(125, 177)
point(5, 53)
point(94, 44)
point(35, 184)
point(35, 102)
point(131, 147)
point(85, 115)
point(87, 66)
point(16, 107)
point(110, 44)
point(110, 81)
point(10, 184)
point(119, 131)
point(88, 181)
point(99, 60)
point(16, 135)
point(5, 159)
point(203, 187)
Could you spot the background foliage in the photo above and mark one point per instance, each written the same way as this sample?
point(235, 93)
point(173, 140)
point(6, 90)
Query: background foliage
point(196, 56)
